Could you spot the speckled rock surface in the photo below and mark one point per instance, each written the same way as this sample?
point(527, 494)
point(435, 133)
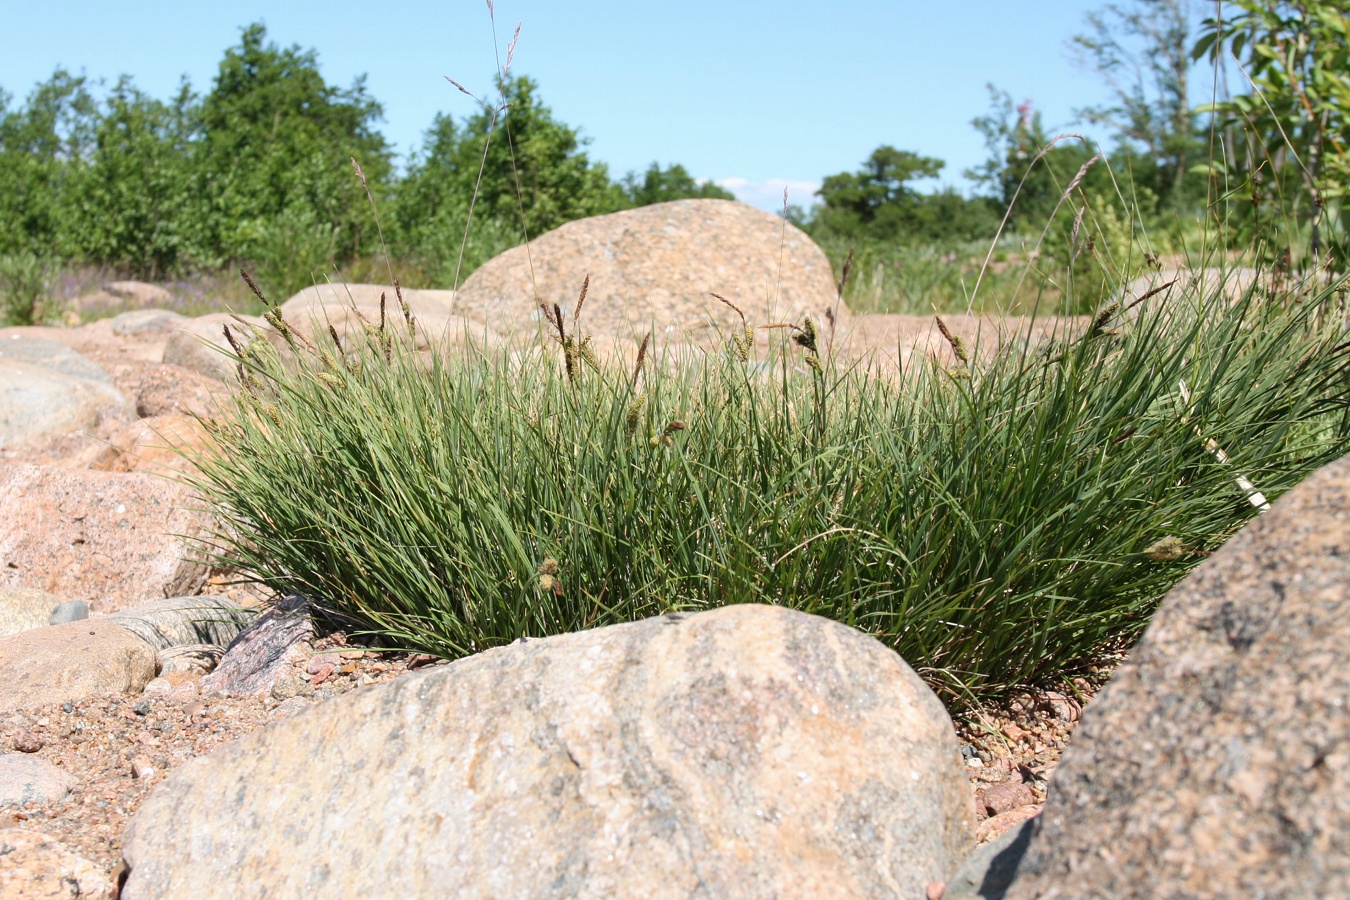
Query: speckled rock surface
point(106, 538)
point(186, 621)
point(261, 654)
point(199, 344)
point(29, 779)
point(71, 661)
point(1216, 763)
point(23, 609)
point(162, 445)
point(746, 751)
point(654, 267)
point(36, 867)
point(173, 390)
point(47, 389)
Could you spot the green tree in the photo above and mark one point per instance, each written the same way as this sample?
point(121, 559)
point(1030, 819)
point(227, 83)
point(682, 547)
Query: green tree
point(1290, 164)
point(541, 158)
point(1142, 51)
point(878, 196)
point(44, 147)
point(275, 136)
point(1028, 169)
point(135, 205)
point(880, 202)
point(659, 185)
point(535, 176)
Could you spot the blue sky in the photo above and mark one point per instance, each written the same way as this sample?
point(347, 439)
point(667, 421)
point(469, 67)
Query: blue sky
point(753, 95)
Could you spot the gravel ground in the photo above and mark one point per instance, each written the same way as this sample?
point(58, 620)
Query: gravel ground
point(120, 747)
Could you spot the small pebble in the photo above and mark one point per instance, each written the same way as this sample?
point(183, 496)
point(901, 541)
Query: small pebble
point(320, 661)
point(28, 742)
point(289, 707)
point(142, 708)
point(142, 769)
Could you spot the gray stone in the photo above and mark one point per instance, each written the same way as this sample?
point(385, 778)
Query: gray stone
point(179, 621)
point(1216, 762)
point(147, 321)
point(52, 356)
point(48, 390)
point(264, 652)
point(190, 659)
point(70, 611)
point(749, 751)
point(31, 779)
point(139, 293)
point(343, 307)
point(901, 342)
point(199, 344)
point(327, 298)
point(23, 609)
point(987, 872)
point(68, 662)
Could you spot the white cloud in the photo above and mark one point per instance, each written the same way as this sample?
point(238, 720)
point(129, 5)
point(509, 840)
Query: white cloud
point(769, 194)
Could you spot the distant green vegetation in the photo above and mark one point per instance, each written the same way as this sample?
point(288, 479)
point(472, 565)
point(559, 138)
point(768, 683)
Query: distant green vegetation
point(257, 171)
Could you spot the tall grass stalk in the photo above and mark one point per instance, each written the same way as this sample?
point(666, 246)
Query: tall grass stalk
point(1000, 524)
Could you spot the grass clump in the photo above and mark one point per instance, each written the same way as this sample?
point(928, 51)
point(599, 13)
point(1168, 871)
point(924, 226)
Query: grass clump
point(1001, 523)
point(25, 287)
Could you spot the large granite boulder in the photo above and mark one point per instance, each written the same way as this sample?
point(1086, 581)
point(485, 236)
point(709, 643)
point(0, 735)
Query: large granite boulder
point(47, 390)
point(654, 268)
point(122, 295)
point(68, 662)
point(1216, 763)
point(199, 344)
point(746, 751)
point(110, 539)
point(38, 867)
point(23, 609)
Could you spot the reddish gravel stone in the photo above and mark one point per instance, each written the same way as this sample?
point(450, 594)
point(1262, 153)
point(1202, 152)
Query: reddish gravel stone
point(993, 827)
point(27, 742)
point(1004, 797)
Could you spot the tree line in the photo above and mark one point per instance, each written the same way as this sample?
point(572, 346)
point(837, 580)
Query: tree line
point(258, 168)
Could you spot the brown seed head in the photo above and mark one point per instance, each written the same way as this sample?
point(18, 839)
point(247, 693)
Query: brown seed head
point(641, 357)
point(248, 280)
point(234, 345)
point(957, 344)
point(585, 286)
point(848, 269)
